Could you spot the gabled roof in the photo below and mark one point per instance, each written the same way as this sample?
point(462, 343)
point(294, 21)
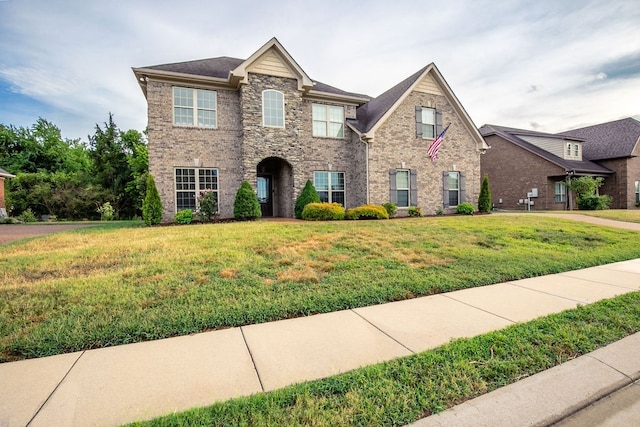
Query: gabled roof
point(374, 113)
point(231, 72)
point(513, 135)
point(5, 174)
point(610, 140)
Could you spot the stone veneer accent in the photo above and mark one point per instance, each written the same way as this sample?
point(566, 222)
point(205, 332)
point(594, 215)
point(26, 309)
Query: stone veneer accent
point(396, 142)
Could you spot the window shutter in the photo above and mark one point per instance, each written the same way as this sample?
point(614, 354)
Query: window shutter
point(463, 188)
point(445, 189)
point(418, 121)
point(438, 122)
point(413, 188)
point(393, 193)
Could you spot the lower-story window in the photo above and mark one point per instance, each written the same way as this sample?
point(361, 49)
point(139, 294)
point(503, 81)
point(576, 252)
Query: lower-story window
point(330, 186)
point(561, 191)
point(191, 182)
point(453, 183)
point(453, 189)
point(637, 191)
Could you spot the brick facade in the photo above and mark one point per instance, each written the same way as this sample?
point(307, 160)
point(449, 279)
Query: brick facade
point(2, 204)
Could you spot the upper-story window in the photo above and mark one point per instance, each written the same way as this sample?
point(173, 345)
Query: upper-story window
point(569, 149)
point(428, 121)
point(328, 121)
point(273, 108)
point(576, 150)
point(195, 107)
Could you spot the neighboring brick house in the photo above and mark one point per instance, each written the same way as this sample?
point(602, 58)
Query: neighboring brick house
point(3, 174)
point(615, 145)
point(521, 160)
point(216, 122)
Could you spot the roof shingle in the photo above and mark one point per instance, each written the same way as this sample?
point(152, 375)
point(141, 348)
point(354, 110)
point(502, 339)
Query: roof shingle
point(608, 140)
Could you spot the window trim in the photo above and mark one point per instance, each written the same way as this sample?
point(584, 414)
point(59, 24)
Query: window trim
point(456, 190)
point(637, 191)
point(198, 188)
point(264, 92)
point(194, 107)
point(560, 197)
point(437, 125)
point(327, 122)
point(330, 191)
point(408, 189)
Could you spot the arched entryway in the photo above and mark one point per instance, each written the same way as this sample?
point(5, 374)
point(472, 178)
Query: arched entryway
point(274, 185)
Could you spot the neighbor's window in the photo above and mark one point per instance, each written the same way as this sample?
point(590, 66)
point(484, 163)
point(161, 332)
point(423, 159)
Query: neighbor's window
point(273, 108)
point(190, 182)
point(637, 191)
point(453, 184)
point(568, 149)
point(329, 186)
point(328, 120)
point(194, 107)
point(403, 188)
point(561, 191)
point(576, 150)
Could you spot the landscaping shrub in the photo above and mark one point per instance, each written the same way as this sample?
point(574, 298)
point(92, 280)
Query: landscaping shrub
point(593, 202)
point(414, 211)
point(246, 206)
point(367, 212)
point(465, 209)
point(207, 206)
point(308, 195)
point(391, 209)
point(27, 216)
point(151, 205)
point(184, 216)
point(323, 212)
point(105, 211)
point(484, 200)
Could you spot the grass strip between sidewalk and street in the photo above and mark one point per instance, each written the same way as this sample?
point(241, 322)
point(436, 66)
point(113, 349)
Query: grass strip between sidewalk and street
point(96, 287)
point(406, 389)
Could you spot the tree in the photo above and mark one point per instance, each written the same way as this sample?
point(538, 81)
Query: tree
point(308, 195)
point(585, 188)
point(152, 205)
point(484, 200)
point(246, 206)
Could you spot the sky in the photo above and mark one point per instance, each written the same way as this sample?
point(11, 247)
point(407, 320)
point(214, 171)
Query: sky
point(546, 65)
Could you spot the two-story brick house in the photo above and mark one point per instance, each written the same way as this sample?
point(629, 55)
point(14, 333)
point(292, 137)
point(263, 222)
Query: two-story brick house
point(215, 122)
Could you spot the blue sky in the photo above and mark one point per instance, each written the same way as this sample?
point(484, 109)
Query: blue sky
point(547, 65)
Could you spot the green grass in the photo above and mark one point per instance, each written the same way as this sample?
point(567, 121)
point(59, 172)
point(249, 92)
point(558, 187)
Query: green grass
point(626, 215)
point(98, 287)
point(403, 390)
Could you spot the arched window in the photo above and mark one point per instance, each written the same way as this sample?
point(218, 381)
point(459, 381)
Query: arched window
point(273, 108)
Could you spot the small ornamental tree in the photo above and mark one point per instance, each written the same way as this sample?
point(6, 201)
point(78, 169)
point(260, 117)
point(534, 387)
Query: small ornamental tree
point(484, 200)
point(246, 206)
point(151, 205)
point(308, 195)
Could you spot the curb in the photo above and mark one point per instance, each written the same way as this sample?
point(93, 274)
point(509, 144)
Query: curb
point(552, 395)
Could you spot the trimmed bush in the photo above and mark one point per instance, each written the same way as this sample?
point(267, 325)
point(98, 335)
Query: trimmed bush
point(391, 209)
point(465, 209)
point(246, 206)
point(484, 200)
point(151, 205)
point(27, 216)
point(367, 212)
point(308, 195)
point(414, 211)
point(593, 202)
point(323, 212)
point(184, 216)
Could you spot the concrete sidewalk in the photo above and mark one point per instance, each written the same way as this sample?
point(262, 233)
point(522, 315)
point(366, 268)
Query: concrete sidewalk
point(140, 381)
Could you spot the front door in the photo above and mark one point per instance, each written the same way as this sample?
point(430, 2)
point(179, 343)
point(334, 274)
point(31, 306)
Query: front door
point(264, 195)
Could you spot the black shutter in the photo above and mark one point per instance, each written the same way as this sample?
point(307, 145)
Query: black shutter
point(438, 122)
point(413, 188)
point(393, 190)
point(445, 189)
point(418, 121)
point(463, 188)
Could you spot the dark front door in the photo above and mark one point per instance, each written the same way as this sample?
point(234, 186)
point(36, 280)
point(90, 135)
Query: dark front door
point(264, 195)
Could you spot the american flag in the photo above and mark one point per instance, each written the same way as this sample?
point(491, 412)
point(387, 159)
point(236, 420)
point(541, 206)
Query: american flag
point(432, 151)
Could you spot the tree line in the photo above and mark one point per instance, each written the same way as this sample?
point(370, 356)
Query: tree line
point(72, 179)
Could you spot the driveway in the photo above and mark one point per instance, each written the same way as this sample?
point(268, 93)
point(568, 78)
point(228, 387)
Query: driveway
point(12, 232)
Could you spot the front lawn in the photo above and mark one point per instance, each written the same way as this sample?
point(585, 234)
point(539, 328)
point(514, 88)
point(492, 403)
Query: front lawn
point(94, 287)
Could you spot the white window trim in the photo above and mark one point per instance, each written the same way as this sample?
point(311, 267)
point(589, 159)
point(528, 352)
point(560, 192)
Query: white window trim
point(408, 189)
point(194, 107)
point(563, 194)
point(327, 122)
point(434, 125)
point(344, 191)
point(456, 190)
point(283, 112)
point(198, 189)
